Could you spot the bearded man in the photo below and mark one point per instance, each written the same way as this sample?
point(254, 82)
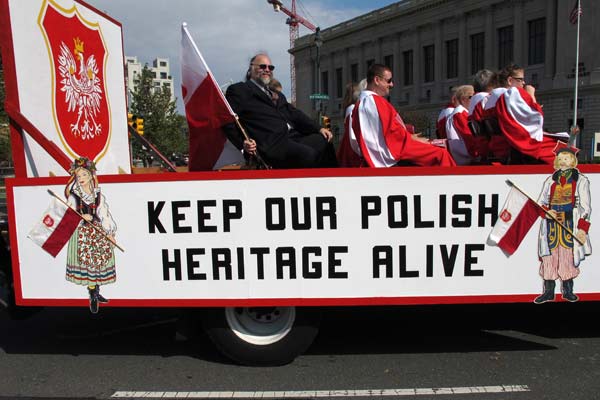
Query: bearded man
point(284, 136)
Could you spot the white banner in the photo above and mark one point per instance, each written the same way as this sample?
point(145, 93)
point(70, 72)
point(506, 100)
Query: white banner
point(308, 240)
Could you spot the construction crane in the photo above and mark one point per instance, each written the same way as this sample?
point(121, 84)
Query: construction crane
point(293, 21)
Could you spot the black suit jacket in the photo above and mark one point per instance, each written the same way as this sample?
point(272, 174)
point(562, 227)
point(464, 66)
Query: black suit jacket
point(264, 121)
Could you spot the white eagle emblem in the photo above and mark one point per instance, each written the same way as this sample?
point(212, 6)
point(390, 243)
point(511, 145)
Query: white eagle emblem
point(82, 89)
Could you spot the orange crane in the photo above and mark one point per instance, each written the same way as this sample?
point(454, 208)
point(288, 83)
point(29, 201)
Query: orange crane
point(293, 21)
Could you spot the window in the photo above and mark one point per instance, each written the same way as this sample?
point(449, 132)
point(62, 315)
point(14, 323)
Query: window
point(163, 75)
point(354, 72)
point(477, 52)
point(407, 60)
point(505, 46)
point(537, 41)
point(388, 61)
point(325, 82)
point(452, 58)
point(339, 83)
point(163, 63)
point(428, 63)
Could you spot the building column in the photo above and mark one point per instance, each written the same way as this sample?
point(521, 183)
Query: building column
point(463, 42)
point(440, 63)
point(396, 73)
point(519, 35)
point(491, 51)
point(417, 55)
point(346, 67)
point(550, 50)
point(362, 63)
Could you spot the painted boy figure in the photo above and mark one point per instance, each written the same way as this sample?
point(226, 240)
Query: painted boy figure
point(566, 196)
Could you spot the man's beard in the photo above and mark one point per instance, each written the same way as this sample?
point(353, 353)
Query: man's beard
point(264, 79)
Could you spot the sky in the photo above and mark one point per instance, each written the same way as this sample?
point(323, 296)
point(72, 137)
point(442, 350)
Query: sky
point(227, 32)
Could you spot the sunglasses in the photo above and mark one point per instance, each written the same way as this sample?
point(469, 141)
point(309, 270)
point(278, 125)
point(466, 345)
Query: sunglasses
point(264, 66)
point(389, 81)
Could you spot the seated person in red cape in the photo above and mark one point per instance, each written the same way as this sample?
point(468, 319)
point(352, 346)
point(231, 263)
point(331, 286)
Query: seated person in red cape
point(381, 133)
point(498, 149)
point(465, 148)
point(348, 154)
point(520, 118)
point(440, 126)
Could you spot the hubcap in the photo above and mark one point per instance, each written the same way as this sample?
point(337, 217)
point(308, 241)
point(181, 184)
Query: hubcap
point(261, 325)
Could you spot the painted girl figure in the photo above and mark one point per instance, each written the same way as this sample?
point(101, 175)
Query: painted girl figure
point(566, 195)
point(90, 255)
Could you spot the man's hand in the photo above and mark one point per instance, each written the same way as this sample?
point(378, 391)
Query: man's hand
point(419, 137)
point(326, 134)
point(581, 235)
point(574, 130)
point(250, 147)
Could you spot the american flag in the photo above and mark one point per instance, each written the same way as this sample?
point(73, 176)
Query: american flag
point(575, 13)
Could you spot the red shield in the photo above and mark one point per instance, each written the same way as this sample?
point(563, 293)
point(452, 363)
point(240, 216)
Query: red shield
point(79, 99)
point(505, 215)
point(48, 221)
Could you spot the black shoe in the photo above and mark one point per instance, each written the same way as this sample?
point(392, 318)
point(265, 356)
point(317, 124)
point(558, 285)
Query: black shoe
point(548, 294)
point(94, 304)
point(101, 298)
point(567, 291)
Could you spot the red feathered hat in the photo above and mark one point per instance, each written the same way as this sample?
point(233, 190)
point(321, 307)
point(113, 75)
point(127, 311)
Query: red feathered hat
point(562, 146)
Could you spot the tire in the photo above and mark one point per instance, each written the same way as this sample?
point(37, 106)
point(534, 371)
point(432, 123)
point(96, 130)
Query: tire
point(262, 336)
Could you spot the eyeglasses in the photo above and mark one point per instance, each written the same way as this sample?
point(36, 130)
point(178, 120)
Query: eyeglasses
point(518, 78)
point(264, 66)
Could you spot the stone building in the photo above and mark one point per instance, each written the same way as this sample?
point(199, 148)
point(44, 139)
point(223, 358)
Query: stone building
point(432, 45)
point(160, 68)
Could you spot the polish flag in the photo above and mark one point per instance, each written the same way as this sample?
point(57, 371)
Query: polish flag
point(55, 227)
point(518, 215)
point(206, 110)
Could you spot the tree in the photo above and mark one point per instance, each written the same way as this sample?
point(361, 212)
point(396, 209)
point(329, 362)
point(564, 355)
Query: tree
point(5, 153)
point(162, 125)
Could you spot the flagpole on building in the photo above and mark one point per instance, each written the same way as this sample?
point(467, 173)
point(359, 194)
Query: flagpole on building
point(573, 137)
point(548, 214)
point(100, 231)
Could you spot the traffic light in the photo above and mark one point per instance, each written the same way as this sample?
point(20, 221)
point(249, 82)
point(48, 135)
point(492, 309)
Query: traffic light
point(139, 126)
point(326, 122)
point(130, 118)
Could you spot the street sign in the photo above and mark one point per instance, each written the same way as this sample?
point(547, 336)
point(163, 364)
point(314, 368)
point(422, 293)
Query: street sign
point(319, 96)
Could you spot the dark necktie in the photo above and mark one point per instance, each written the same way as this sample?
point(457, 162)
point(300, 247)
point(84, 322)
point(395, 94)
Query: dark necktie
point(271, 95)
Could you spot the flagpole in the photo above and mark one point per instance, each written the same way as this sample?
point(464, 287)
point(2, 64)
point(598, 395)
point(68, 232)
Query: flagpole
point(229, 109)
point(548, 214)
point(81, 216)
point(572, 139)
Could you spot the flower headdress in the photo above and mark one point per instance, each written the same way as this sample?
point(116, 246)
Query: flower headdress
point(82, 162)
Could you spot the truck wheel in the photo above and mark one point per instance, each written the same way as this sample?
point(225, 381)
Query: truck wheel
point(262, 336)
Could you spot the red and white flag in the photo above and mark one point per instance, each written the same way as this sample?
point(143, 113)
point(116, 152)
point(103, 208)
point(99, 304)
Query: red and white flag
point(206, 110)
point(518, 215)
point(55, 227)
